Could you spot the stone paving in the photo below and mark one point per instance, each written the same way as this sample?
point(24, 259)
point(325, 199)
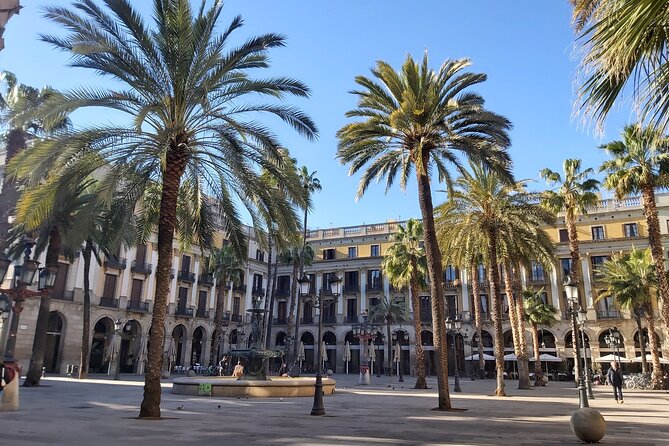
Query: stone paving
point(102, 412)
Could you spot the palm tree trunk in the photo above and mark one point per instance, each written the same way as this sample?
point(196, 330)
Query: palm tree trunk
point(538, 371)
point(175, 165)
point(493, 271)
point(389, 341)
point(434, 267)
point(39, 342)
point(15, 142)
point(477, 315)
point(513, 319)
point(523, 357)
point(637, 319)
point(86, 334)
point(270, 293)
point(655, 242)
point(296, 340)
point(218, 318)
point(575, 273)
point(418, 328)
point(291, 311)
point(656, 377)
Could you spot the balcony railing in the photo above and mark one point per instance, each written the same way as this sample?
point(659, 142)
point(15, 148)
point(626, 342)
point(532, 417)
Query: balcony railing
point(65, 295)
point(236, 318)
point(226, 316)
point(374, 288)
point(426, 318)
point(257, 291)
point(181, 311)
point(108, 302)
point(116, 263)
point(608, 314)
point(240, 288)
point(352, 288)
point(351, 319)
point(280, 321)
point(204, 314)
point(539, 279)
point(329, 319)
point(135, 305)
point(206, 280)
point(307, 320)
point(186, 276)
point(282, 293)
point(141, 268)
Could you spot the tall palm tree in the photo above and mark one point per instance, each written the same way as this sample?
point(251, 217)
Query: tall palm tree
point(226, 267)
point(484, 215)
point(639, 165)
point(389, 311)
point(310, 185)
point(405, 265)
point(574, 193)
point(537, 313)
point(420, 119)
point(16, 105)
point(624, 50)
point(632, 280)
point(188, 97)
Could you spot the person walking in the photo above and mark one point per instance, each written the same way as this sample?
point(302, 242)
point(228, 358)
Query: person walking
point(615, 377)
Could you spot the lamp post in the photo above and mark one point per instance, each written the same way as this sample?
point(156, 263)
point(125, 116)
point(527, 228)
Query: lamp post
point(118, 331)
point(613, 340)
point(364, 332)
point(323, 300)
point(471, 355)
point(571, 291)
point(582, 317)
point(452, 327)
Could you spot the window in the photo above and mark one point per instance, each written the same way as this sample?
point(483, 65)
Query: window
point(537, 272)
point(597, 232)
point(375, 250)
point(257, 281)
point(425, 309)
point(450, 274)
point(351, 282)
point(282, 312)
point(544, 297)
point(202, 304)
point(374, 279)
point(328, 254)
point(183, 298)
point(327, 277)
point(236, 302)
point(452, 308)
point(185, 263)
point(631, 230)
point(109, 290)
point(136, 290)
point(373, 301)
point(565, 265)
point(140, 255)
point(481, 274)
point(260, 255)
point(484, 304)
point(352, 252)
point(564, 235)
point(597, 262)
point(352, 310)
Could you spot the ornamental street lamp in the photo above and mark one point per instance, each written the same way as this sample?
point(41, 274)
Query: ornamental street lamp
point(364, 332)
point(452, 327)
point(322, 301)
point(118, 331)
point(582, 317)
point(571, 290)
point(614, 341)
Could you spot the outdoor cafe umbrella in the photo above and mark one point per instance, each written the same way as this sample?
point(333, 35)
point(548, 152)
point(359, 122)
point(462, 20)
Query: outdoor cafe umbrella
point(347, 354)
point(475, 357)
point(649, 358)
point(610, 357)
point(398, 355)
point(513, 358)
point(301, 355)
point(545, 357)
point(324, 355)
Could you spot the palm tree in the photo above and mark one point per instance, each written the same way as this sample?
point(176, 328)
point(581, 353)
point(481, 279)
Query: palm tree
point(574, 193)
point(488, 217)
point(639, 165)
point(537, 313)
point(623, 50)
point(17, 104)
point(405, 265)
point(310, 184)
point(389, 311)
point(632, 279)
point(423, 119)
point(226, 267)
point(188, 98)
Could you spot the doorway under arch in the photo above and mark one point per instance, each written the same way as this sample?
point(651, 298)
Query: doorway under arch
point(101, 346)
point(55, 337)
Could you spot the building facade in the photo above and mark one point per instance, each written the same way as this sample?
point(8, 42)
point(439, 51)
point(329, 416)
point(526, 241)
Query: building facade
point(123, 287)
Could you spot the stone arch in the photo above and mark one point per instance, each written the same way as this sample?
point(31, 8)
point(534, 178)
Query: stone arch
point(637, 346)
point(100, 355)
point(130, 346)
point(175, 350)
point(280, 340)
point(197, 349)
point(55, 341)
point(568, 343)
point(487, 340)
point(330, 340)
point(546, 340)
point(402, 336)
point(508, 340)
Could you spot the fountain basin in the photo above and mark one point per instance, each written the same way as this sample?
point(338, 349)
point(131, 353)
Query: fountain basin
point(274, 387)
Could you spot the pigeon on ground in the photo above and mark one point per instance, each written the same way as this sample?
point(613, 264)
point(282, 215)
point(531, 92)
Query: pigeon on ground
point(219, 406)
point(238, 397)
point(180, 407)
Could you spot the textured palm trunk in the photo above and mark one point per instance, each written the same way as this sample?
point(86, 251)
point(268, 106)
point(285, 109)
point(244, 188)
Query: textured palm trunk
point(296, 341)
point(271, 285)
point(434, 267)
point(218, 318)
point(291, 310)
point(39, 341)
point(15, 142)
point(655, 242)
point(493, 272)
point(656, 377)
point(511, 300)
point(575, 273)
point(418, 328)
point(523, 357)
point(477, 315)
point(538, 371)
point(86, 333)
point(637, 319)
point(175, 165)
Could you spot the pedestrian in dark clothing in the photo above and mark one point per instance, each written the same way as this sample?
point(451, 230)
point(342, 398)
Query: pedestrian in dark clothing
point(615, 378)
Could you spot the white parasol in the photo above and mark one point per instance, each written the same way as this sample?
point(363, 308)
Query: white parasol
point(324, 354)
point(347, 354)
point(610, 357)
point(301, 355)
point(649, 358)
point(510, 357)
point(397, 356)
point(545, 357)
point(475, 357)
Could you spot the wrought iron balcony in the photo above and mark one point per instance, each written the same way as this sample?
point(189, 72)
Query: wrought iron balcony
point(141, 268)
point(307, 320)
point(65, 295)
point(280, 321)
point(352, 288)
point(236, 318)
point(186, 276)
point(182, 311)
point(260, 292)
point(608, 314)
point(374, 288)
point(538, 279)
point(108, 302)
point(138, 306)
point(329, 319)
point(282, 293)
point(206, 280)
point(226, 316)
point(204, 314)
point(116, 263)
point(240, 288)
point(351, 319)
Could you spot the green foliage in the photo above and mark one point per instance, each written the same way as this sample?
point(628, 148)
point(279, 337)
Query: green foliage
point(225, 265)
point(575, 192)
point(405, 259)
point(537, 312)
point(631, 279)
point(389, 311)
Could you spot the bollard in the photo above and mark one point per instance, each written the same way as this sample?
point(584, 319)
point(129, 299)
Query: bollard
point(9, 397)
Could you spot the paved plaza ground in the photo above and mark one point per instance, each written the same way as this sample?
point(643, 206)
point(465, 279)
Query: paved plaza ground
point(101, 412)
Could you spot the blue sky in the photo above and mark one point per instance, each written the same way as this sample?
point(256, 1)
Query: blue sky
point(525, 47)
